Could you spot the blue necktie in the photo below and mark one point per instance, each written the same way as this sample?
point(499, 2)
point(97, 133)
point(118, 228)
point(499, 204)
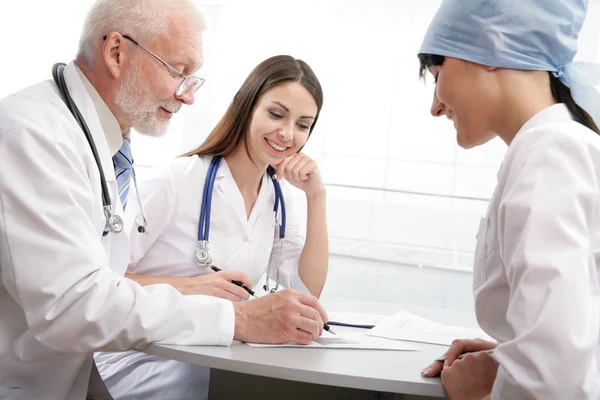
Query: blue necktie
point(123, 162)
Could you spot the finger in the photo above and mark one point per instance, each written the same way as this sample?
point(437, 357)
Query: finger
point(447, 371)
point(235, 290)
point(301, 337)
point(485, 357)
point(313, 302)
point(298, 167)
point(311, 313)
point(307, 169)
point(289, 167)
point(238, 276)
point(226, 294)
point(433, 370)
point(279, 169)
point(309, 326)
point(460, 346)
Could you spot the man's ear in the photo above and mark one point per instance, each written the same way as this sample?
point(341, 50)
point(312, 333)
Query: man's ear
point(114, 54)
point(489, 68)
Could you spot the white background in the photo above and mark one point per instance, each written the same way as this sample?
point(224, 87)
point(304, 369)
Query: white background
point(375, 129)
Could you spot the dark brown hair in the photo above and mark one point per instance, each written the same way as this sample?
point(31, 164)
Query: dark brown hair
point(560, 92)
point(231, 130)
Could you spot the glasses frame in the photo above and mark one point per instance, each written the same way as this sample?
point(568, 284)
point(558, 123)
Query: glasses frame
point(188, 81)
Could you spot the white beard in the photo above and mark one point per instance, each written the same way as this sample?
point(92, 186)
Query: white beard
point(136, 101)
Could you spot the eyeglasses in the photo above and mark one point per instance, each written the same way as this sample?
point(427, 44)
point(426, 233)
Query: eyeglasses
point(189, 82)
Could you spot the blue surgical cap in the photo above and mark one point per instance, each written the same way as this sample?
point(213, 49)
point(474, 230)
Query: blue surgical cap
point(519, 34)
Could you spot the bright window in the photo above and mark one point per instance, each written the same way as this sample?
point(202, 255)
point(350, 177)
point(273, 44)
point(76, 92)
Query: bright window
point(400, 189)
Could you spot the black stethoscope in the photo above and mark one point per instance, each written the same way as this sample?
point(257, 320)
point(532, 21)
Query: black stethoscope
point(114, 223)
point(202, 254)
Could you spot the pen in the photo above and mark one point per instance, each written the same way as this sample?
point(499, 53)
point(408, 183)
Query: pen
point(238, 283)
point(328, 329)
point(442, 358)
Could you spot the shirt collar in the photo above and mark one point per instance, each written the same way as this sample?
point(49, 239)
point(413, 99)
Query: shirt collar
point(108, 121)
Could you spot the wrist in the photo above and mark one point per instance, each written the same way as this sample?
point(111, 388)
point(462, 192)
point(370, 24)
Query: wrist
point(241, 321)
point(317, 195)
point(181, 284)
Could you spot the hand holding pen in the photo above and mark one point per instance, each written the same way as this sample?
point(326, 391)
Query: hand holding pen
point(286, 316)
point(216, 284)
point(235, 282)
point(457, 351)
point(251, 292)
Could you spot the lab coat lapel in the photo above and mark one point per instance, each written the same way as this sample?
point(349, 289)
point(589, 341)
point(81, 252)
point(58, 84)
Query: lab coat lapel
point(225, 183)
point(264, 201)
point(116, 245)
point(83, 101)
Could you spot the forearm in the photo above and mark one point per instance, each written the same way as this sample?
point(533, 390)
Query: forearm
point(144, 280)
point(314, 259)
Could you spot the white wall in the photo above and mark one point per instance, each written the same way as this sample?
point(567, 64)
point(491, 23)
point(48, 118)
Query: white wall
point(375, 129)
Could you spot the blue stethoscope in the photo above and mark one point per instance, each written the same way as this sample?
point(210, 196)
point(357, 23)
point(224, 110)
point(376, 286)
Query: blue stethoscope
point(203, 255)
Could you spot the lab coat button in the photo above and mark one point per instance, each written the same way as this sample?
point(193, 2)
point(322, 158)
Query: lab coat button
point(245, 239)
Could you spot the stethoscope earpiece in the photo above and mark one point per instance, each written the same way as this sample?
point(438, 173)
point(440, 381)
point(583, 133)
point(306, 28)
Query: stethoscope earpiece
point(273, 290)
point(141, 229)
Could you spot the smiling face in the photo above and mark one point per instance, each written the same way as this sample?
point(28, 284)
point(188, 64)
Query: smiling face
point(146, 95)
point(464, 93)
point(281, 122)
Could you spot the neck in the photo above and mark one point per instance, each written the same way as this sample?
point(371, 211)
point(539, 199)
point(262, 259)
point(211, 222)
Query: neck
point(247, 175)
point(106, 91)
point(527, 93)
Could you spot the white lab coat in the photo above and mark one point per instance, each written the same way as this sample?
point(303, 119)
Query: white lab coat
point(62, 294)
point(172, 198)
point(536, 275)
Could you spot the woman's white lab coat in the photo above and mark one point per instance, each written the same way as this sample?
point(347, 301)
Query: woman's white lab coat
point(62, 294)
point(172, 198)
point(536, 276)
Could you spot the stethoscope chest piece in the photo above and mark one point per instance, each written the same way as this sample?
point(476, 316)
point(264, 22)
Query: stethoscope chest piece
point(114, 223)
point(202, 255)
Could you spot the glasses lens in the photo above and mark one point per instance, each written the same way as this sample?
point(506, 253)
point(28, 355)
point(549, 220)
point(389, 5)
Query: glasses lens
point(191, 82)
point(199, 82)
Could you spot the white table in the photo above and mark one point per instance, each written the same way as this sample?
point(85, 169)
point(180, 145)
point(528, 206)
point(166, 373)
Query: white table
point(374, 370)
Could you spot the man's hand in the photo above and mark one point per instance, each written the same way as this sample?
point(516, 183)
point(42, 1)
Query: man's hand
point(278, 318)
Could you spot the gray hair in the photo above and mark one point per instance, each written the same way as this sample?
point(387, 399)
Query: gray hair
point(144, 20)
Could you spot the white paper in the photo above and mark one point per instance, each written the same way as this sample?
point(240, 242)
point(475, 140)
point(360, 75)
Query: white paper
point(348, 340)
point(355, 318)
point(406, 326)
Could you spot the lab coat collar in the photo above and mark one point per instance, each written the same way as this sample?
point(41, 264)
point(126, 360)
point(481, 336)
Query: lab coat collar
point(556, 112)
point(110, 125)
point(232, 194)
point(225, 172)
point(84, 103)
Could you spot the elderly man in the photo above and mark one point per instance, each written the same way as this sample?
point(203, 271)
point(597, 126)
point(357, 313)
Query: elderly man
point(63, 251)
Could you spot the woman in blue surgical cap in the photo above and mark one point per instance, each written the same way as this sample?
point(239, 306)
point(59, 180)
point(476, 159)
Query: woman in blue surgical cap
point(504, 68)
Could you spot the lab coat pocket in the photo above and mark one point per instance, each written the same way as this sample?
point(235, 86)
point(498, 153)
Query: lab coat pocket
point(479, 266)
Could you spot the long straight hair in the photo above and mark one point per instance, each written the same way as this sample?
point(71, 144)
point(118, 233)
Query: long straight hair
point(227, 137)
